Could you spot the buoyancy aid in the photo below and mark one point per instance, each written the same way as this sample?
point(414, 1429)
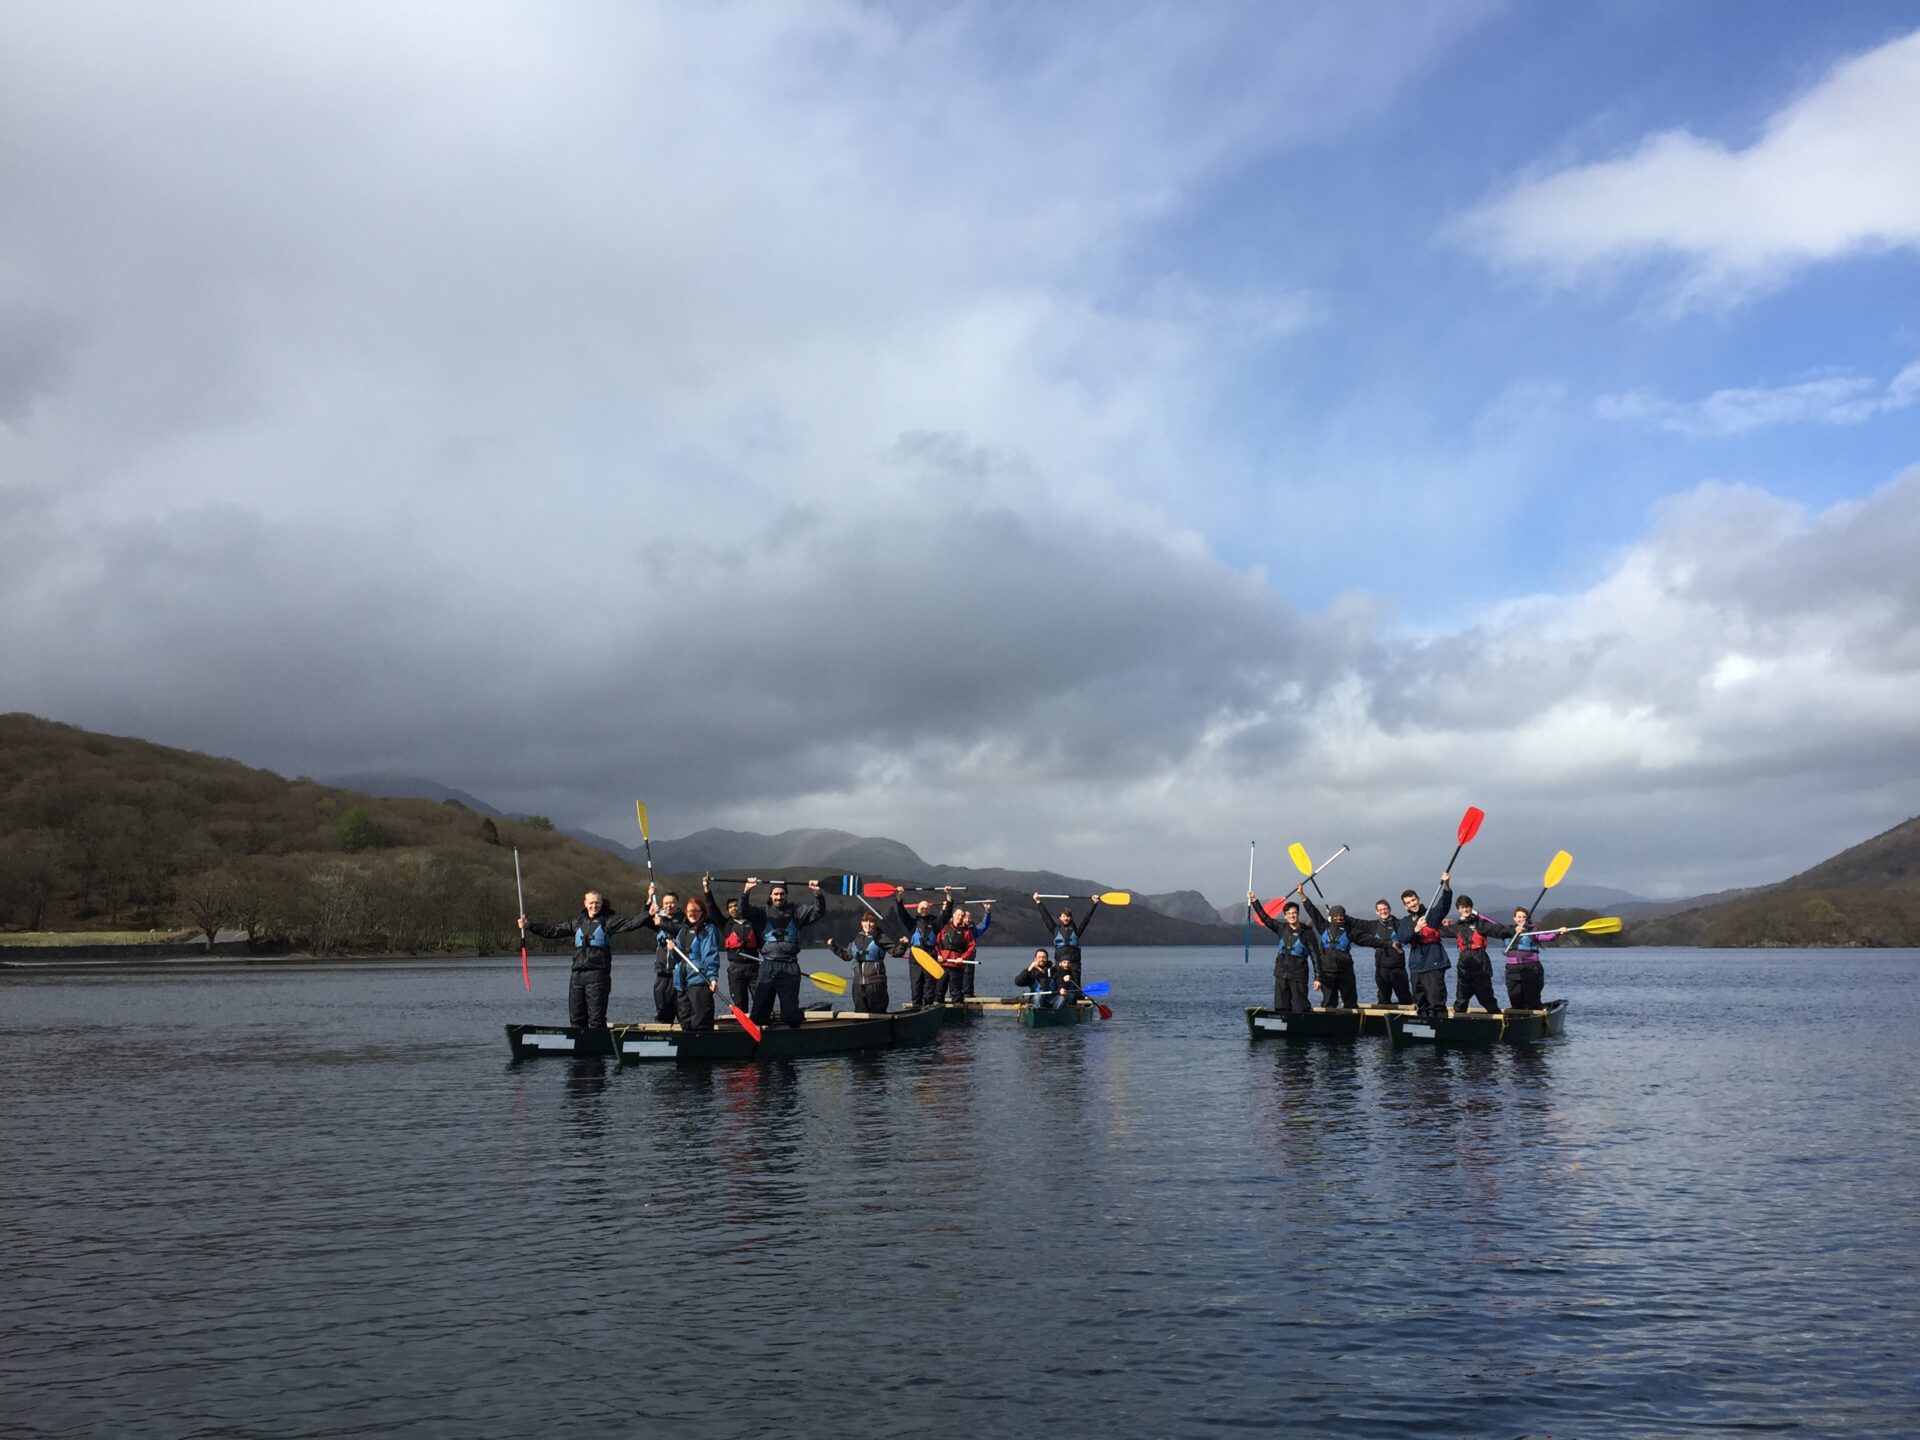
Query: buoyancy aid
point(955, 944)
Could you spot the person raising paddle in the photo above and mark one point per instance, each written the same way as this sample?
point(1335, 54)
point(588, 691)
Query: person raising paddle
point(1337, 983)
point(663, 917)
point(592, 980)
point(741, 942)
point(696, 969)
point(779, 925)
point(1298, 945)
point(923, 929)
point(1418, 934)
point(1526, 977)
point(954, 948)
point(1066, 936)
point(1389, 960)
point(1474, 979)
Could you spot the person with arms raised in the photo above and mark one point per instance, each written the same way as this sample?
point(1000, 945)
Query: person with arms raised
point(1337, 983)
point(741, 942)
point(1417, 934)
point(663, 918)
point(1473, 980)
point(592, 933)
point(696, 968)
point(779, 927)
point(1298, 946)
point(954, 948)
point(923, 927)
point(1067, 936)
point(1526, 976)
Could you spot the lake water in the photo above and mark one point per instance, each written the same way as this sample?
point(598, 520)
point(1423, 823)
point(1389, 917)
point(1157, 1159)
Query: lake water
point(319, 1200)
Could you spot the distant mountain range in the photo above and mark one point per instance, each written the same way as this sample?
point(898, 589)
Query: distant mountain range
point(1868, 895)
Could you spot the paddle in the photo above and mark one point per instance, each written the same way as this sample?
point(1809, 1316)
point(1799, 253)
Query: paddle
point(927, 963)
point(1469, 827)
point(526, 977)
point(1246, 921)
point(1304, 865)
point(1106, 1011)
point(829, 884)
point(1274, 906)
point(1556, 872)
point(1111, 897)
point(881, 890)
point(1600, 925)
point(640, 809)
point(746, 1022)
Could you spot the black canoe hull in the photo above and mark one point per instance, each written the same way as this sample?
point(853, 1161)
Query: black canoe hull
point(820, 1034)
point(1482, 1030)
point(1040, 1018)
point(1323, 1024)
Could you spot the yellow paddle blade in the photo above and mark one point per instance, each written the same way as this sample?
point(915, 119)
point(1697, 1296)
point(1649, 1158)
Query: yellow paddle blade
point(1605, 925)
point(1116, 897)
point(640, 809)
point(828, 981)
point(1300, 861)
point(927, 963)
point(1557, 869)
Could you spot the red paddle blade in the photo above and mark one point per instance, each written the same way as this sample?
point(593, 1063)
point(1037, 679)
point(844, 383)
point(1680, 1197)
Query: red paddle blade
point(525, 978)
point(1470, 823)
point(879, 890)
point(1106, 1011)
point(1274, 906)
point(746, 1022)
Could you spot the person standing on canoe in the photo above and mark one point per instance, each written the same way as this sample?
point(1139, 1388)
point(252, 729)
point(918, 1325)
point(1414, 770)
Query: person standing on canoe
point(868, 957)
point(1066, 937)
point(741, 942)
point(780, 925)
point(1416, 933)
point(1526, 977)
point(663, 918)
point(923, 929)
point(972, 972)
point(954, 948)
point(1298, 945)
point(1337, 983)
point(1474, 979)
point(696, 969)
point(592, 979)
point(1389, 960)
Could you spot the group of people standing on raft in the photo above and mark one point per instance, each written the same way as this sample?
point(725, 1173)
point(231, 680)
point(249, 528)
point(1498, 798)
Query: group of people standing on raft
point(760, 949)
point(1409, 957)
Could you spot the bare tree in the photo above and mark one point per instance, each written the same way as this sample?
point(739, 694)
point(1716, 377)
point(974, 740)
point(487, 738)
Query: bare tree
point(209, 898)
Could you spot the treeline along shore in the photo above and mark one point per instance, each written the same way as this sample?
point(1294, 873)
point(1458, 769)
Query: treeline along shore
point(130, 842)
point(120, 837)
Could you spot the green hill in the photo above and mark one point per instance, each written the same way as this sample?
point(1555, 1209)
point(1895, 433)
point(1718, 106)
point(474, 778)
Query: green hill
point(106, 834)
point(1868, 895)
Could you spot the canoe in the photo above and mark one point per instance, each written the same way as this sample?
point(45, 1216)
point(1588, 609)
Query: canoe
point(822, 1033)
point(1036, 1017)
point(1322, 1024)
point(1482, 1028)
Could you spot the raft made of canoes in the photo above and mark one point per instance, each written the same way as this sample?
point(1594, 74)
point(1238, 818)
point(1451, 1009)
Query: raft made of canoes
point(1038, 1017)
point(821, 1033)
point(1481, 1028)
point(1335, 1023)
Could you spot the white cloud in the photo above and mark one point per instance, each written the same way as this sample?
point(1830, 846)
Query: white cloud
point(1828, 400)
point(1835, 172)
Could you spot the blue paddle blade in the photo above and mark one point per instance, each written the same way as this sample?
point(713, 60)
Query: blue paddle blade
point(1099, 987)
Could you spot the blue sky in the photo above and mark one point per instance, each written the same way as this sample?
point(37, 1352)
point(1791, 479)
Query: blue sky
point(1090, 436)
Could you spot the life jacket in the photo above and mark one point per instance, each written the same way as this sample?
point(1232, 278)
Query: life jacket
point(1065, 935)
point(1294, 945)
point(782, 929)
point(862, 951)
point(955, 943)
point(926, 931)
point(599, 940)
point(1471, 936)
point(740, 936)
point(1524, 950)
point(1336, 938)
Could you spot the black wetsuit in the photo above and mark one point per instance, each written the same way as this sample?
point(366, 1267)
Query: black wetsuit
point(779, 978)
point(868, 957)
point(1389, 960)
point(1337, 984)
point(1291, 994)
point(592, 979)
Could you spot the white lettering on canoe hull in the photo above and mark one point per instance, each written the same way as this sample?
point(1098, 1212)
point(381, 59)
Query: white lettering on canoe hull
point(1269, 1022)
point(1425, 1032)
point(648, 1049)
point(547, 1042)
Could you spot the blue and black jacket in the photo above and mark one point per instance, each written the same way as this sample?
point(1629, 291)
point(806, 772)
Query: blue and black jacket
point(592, 936)
point(1420, 938)
point(1297, 947)
point(701, 946)
point(780, 927)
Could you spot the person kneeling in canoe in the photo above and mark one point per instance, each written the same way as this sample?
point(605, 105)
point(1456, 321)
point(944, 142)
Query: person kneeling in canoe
point(1337, 983)
point(592, 980)
point(780, 925)
point(696, 969)
point(1474, 979)
point(1042, 979)
point(868, 957)
point(1298, 945)
point(1419, 936)
point(1526, 977)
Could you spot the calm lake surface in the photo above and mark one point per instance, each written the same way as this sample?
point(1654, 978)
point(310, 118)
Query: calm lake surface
point(321, 1201)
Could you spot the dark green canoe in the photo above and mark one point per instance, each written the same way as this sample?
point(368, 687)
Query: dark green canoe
point(1482, 1028)
point(821, 1034)
point(1036, 1017)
